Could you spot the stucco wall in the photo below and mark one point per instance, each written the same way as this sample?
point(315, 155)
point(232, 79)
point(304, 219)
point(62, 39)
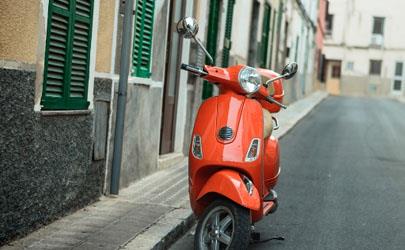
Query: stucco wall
point(46, 161)
point(365, 86)
point(144, 108)
point(105, 35)
point(19, 36)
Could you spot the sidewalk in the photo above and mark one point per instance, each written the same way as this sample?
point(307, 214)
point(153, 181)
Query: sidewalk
point(150, 214)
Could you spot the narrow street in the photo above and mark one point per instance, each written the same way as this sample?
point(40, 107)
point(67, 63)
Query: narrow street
point(342, 184)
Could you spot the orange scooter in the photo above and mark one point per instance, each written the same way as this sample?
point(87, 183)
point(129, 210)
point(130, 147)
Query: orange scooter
point(233, 162)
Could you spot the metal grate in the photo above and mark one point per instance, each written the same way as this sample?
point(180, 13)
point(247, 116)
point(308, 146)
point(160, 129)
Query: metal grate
point(225, 133)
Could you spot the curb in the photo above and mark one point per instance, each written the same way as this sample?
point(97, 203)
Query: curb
point(167, 229)
point(164, 232)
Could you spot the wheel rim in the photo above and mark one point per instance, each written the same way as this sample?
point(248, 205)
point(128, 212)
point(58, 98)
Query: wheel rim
point(217, 229)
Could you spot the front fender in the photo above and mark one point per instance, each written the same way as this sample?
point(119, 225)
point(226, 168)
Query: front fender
point(229, 183)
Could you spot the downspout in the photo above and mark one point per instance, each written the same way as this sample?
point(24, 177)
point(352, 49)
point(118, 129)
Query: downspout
point(122, 94)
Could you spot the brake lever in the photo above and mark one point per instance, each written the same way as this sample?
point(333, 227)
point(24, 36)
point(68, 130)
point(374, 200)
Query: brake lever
point(272, 100)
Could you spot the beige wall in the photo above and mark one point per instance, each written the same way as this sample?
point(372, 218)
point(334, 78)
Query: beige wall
point(19, 30)
point(105, 36)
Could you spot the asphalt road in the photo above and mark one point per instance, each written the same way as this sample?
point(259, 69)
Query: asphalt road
point(342, 184)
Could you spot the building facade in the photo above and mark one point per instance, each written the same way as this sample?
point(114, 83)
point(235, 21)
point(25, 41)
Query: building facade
point(365, 48)
point(52, 153)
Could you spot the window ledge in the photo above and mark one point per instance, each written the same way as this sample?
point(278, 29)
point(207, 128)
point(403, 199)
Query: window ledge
point(144, 81)
point(64, 112)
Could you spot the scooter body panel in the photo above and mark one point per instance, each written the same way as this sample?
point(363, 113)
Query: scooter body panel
point(229, 183)
point(244, 117)
point(271, 162)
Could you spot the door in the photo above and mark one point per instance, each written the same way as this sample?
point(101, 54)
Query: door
point(333, 77)
point(171, 83)
point(212, 39)
point(264, 42)
point(398, 80)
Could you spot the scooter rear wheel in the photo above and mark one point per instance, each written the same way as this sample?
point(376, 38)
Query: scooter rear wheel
point(223, 225)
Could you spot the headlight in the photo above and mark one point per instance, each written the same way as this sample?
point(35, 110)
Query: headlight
point(249, 80)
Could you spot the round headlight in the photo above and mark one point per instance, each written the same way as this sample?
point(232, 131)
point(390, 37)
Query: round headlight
point(249, 80)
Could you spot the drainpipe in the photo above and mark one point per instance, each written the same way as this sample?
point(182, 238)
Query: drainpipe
point(122, 94)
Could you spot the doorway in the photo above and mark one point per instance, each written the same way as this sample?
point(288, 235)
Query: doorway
point(333, 77)
point(171, 83)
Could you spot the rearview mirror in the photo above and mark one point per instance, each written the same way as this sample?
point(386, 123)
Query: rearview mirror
point(290, 70)
point(188, 27)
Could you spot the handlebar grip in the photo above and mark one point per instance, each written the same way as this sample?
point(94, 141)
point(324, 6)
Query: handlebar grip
point(184, 66)
point(193, 69)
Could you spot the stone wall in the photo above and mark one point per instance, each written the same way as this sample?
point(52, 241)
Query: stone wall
point(46, 160)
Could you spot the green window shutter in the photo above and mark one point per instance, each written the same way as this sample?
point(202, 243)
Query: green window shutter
point(228, 33)
point(142, 47)
point(67, 57)
point(264, 43)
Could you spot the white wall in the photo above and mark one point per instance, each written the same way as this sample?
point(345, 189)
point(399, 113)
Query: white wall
point(352, 33)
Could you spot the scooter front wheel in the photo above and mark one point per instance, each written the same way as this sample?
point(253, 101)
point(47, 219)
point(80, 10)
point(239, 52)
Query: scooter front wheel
point(223, 225)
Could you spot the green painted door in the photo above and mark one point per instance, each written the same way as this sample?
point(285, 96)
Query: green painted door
point(228, 33)
point(264, 43)
point(212, 39)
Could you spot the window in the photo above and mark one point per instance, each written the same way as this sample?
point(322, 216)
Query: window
point(398, 77)
point(328, 20)
point(142, 47)
point(67, 56)
point(336, 71)
point(375, 67)
point(349, 66)
point(329, 24)
point(398, 69)
point(397, 85)
point(378, 26)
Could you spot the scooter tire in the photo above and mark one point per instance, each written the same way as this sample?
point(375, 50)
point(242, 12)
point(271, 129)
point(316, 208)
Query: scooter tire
point(241, 225)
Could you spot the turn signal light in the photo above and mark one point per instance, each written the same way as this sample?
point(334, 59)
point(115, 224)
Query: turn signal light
point(253, 151)
point(196, 147)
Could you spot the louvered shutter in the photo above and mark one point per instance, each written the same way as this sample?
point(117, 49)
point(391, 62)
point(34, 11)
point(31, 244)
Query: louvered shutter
point(228, 33)
point(67, 54)
point(81, 50)
point(142, 47)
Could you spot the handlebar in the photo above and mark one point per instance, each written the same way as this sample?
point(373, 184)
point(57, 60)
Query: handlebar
point(194, 69)
point(272, 100)
point(201, 73)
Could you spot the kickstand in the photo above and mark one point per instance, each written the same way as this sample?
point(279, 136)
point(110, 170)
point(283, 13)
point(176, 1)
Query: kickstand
point(255, 238)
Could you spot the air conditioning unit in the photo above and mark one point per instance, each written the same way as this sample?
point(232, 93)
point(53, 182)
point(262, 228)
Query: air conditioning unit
point(377, 40)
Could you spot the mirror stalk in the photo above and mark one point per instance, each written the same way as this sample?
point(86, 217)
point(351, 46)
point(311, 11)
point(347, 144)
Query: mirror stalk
point(204, 49)
point(275, 79)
